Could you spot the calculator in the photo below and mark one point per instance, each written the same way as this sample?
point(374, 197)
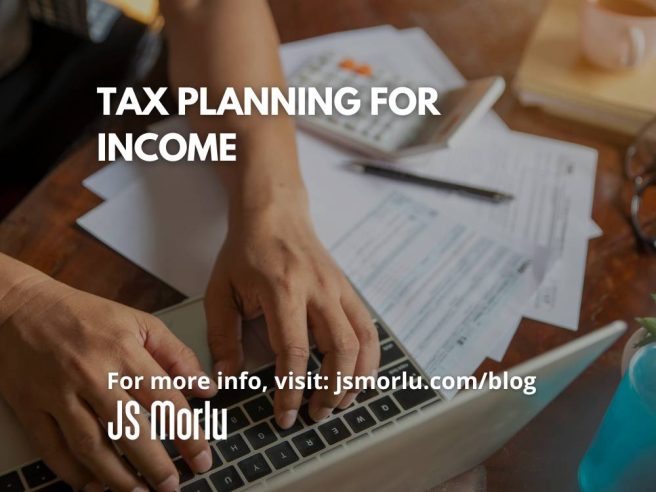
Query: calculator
point(388, 135)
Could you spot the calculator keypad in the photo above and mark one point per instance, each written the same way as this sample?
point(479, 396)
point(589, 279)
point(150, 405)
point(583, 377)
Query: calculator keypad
point(386, 131)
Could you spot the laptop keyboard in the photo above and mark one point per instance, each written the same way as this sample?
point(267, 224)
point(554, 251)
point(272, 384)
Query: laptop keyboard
point(256, 449)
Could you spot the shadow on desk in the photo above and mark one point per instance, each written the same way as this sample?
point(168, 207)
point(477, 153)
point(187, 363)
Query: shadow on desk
point(49, 100)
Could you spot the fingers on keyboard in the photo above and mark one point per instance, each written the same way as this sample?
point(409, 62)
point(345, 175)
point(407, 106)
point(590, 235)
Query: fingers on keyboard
point(256, 446)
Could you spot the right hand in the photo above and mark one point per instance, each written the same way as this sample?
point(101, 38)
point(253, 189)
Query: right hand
point(57, 347)
point(273, 263)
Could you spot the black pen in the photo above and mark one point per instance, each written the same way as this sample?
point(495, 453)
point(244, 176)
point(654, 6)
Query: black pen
point(378, 168)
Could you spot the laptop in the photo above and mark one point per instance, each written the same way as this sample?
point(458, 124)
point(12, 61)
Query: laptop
point(387, 440)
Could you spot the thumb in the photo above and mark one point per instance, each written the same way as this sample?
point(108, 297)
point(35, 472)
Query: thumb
point(224, 334)
point(176, 358)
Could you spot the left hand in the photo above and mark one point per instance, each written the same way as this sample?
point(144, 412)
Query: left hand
point(273, 263)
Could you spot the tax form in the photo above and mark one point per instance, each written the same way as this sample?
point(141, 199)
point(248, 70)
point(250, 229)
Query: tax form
point(553, 185)
point(446, 289)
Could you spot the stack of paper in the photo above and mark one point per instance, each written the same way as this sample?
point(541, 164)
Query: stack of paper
point(452, 276)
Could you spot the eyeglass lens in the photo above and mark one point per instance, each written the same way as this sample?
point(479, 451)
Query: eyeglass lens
point(644, 210)
point(641, 155)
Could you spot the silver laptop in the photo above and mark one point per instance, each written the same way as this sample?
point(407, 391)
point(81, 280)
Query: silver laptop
point(395, 440)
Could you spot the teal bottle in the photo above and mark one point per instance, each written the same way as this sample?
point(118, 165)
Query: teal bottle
point(622, 455)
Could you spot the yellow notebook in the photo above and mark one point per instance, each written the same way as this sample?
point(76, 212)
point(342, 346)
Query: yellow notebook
point(555, 75)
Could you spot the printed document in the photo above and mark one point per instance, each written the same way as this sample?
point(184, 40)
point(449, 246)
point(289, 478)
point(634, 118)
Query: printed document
point(446, 288)
point(553, 185)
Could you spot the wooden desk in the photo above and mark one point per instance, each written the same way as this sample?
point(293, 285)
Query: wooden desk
point(482, 38)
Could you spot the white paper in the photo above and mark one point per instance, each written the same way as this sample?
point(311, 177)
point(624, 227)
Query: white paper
point(121, 222)
point(116, 177)
point(112, 179)
point(553, 185)
point(446, 287)
point(449, 76)
point(595, 230)
point(171, 224)
point(171, 219)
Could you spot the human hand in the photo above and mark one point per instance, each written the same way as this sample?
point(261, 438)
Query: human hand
point(56, 349)
point(273, 263)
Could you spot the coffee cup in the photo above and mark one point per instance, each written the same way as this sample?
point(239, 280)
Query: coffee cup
point(618, 34)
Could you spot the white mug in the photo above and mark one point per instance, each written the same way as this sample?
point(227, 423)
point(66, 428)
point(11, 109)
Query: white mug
point(615, 38)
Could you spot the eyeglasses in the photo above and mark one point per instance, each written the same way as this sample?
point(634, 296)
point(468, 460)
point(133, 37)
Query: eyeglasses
point(640, 167)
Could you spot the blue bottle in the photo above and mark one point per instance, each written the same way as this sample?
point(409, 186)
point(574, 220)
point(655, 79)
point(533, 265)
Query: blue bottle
point(622, 456)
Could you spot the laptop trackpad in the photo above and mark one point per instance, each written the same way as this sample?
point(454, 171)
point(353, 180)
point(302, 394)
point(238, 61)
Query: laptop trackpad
point(187, 322)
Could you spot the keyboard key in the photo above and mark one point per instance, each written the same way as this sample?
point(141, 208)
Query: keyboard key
point(399, 369)
point(305, 415)
point(366, 394)
point(384, 408)
point(37, 474)
point(334, 431)
point(259, 409)
point(282, 455)
point(11, 482)
point(236, 419)
point(226, 398)
point(58, 486)
point(337, 410)
point(267, 376)
point(184, 471)
point(197, 403)
point(169, 445)
point(200, 485)
point(307, 393)
point(308, 443)
point(210, 423)
point(260, 435)
point(318, 355)
point(359, 419)
point(226, 480)
point(382, 332)
point(312, 364)
point(409, 398)
point(390, 352)
point(216, 461)
point(254, 467)
point(232, 448)
point(298, 425)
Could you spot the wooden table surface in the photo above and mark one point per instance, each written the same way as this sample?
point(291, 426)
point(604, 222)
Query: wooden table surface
point(481, 38)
